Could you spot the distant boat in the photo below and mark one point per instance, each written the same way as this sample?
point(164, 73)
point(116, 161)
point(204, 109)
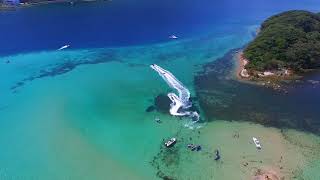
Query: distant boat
point(171, 142)
point(64, 47)
point(256, 142)
point(173, 37)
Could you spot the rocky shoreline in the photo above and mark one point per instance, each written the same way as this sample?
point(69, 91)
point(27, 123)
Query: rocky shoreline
point(271, 79)
point(223, 96)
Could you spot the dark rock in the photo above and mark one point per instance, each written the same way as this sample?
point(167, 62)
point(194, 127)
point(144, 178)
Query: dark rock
point(150, 109)
point(162, 103)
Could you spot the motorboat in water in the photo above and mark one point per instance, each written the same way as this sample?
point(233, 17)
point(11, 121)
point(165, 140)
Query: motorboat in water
point(257, 143)
point(173, 37)
point(64, 47)
point(171, 142)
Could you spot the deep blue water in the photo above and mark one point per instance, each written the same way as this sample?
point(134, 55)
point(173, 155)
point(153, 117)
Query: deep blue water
point(129, 22)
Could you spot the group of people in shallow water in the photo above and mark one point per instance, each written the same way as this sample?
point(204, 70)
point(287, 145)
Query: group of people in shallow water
point(194, 147)
point(158, 120)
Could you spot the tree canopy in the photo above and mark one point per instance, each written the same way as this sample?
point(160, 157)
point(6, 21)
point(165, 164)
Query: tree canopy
point(287, 40)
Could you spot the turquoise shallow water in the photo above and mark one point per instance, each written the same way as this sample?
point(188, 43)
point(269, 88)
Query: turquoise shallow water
point(80, 114)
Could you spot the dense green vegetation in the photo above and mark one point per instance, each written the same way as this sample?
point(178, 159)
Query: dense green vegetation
point(287, 40)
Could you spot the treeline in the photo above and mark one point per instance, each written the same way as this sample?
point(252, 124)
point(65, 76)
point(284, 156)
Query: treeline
point(287, 40)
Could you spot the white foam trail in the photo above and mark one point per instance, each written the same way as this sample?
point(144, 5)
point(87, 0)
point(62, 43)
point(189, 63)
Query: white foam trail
point(64, 47)
point(179, 103)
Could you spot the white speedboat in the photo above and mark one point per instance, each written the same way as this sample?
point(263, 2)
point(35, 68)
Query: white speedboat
point(173, 37)
point(171, 142)
point(256, 142)
point(64, 47)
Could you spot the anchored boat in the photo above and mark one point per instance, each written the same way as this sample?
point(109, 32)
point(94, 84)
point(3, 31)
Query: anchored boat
point(256, 142)
point(171, 142)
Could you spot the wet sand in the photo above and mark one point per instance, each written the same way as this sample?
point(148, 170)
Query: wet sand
point(240, 64)
point(279, 157)
point(286, 154)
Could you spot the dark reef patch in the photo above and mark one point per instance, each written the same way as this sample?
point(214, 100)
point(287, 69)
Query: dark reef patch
point(67, 66)
point(150, 109)
point(166, 159)
point(169, 162)
point(195, 105)
point(162, 103)
point(222, 97)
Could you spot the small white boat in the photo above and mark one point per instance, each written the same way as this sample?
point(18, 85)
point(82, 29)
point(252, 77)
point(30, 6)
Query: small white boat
point(256, 142)
point(173, 37)
point(171, 142)
point(64, 47)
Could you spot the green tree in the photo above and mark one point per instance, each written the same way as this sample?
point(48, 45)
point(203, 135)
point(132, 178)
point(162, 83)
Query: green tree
point(290, 39)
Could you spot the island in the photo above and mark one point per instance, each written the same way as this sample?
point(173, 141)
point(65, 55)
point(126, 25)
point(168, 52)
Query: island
point(286, 46)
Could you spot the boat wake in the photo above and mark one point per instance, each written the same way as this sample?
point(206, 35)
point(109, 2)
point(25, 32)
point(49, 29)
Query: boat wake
point(181, 103)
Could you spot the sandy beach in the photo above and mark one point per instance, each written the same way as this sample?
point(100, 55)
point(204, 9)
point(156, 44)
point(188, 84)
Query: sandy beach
point(240, 65)
point(270, 79)
point(239, 72)
point(284, 153)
